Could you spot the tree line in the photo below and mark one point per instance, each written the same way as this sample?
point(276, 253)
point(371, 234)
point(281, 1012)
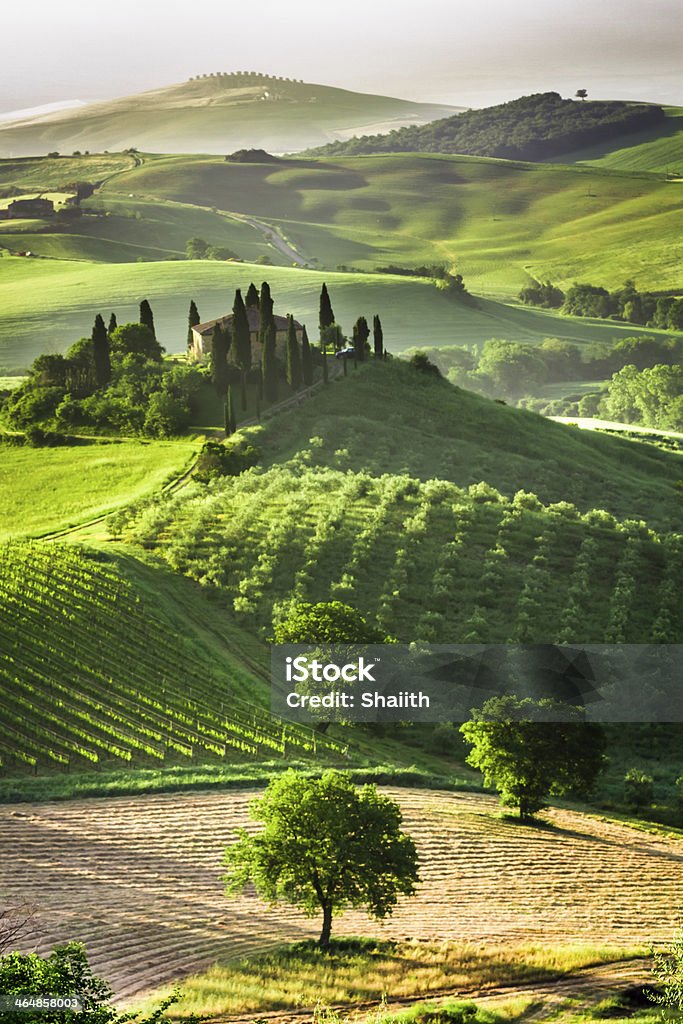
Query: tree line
point(647, 309)
point(511, 370)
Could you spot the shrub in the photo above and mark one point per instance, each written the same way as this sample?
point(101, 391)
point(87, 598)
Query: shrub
point(638, 789)
point(230, 458)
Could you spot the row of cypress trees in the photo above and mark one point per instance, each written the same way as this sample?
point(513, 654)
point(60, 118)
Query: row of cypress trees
point(298, 356)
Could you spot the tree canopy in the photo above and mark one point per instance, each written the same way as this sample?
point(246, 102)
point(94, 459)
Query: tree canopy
point(327, 622)
point(326, 846)
point(527, 754)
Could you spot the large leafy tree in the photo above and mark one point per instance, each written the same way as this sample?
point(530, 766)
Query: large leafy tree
point(137, 340)
point(327, 622)
point(326, 846)
point(529, 750)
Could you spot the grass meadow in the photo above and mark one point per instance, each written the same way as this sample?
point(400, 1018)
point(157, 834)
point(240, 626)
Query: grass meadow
point(365, 970)
point(49, 489)
point(499, 222)
point(413, 310)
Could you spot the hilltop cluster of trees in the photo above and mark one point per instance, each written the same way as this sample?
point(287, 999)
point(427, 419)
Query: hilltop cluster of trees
point(231, 352)
point(533, 127)
point(115, 380)
point(625, 303)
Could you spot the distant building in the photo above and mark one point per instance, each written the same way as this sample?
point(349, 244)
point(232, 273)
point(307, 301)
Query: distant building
point(200, 349)
point(30, 208)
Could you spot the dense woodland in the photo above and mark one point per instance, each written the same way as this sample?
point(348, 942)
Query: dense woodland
point(535, 127)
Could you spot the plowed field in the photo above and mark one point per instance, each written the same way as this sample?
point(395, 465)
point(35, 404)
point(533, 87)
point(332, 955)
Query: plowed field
point(139, 881)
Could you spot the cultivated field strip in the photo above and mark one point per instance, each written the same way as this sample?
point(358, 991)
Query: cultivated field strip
point(76, 641)
point(139, 881)
point(427, 560)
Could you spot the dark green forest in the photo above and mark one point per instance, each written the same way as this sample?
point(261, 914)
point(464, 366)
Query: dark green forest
point(536, 127)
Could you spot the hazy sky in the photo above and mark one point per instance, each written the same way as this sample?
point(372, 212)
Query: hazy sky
point(465, 53)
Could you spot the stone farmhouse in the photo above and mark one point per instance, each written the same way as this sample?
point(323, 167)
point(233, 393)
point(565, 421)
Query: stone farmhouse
point(29, 208)
point(200, 347)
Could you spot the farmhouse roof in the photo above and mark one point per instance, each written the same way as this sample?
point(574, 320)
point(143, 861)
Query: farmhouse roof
point(253, 318)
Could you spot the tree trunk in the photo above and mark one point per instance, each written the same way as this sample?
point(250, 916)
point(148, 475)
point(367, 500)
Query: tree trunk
point(324, 940)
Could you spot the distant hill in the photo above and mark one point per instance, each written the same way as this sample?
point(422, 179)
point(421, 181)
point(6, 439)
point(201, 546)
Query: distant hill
point(217, 114)
point(536, 127)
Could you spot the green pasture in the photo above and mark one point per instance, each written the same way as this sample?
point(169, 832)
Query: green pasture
point(658, 150)
point(48, 489)
point(498, 222)
point(45, 305)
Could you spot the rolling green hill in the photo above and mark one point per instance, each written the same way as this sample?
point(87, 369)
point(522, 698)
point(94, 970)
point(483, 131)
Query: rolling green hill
point(45, 305)
point(657, 149)
point(107, 663)
point(348, 506)
point(497, 222)
point(216, 114)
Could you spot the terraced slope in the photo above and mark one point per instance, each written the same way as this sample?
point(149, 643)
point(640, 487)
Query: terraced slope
point(93, 674)
point(139, 881)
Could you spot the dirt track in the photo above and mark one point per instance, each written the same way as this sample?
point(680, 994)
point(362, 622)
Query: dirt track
point(138, 879)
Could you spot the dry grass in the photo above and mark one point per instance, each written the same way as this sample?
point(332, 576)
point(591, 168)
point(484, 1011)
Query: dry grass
point(365, 971)
point(138, 879)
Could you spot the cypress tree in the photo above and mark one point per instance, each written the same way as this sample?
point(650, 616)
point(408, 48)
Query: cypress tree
point(242, 341)
point(378, 337)
point(361, 333)
point(265, 311)
point(113, 324)
point(269, 365)
point(293, 359)
point(252, 297)
point(306, 359)
point(326, 312)
point(146, 316)
point(192, 321)
point(220, 345)
point(229, 413)
point(100, 351)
